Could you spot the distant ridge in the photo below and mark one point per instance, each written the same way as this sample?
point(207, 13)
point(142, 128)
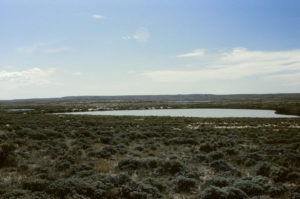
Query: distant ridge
point(177, 97)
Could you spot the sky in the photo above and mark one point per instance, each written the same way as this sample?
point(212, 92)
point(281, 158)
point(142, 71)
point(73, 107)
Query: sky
point(55, 48)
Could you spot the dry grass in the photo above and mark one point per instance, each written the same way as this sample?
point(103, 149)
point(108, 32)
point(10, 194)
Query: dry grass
point(104, 165)
point(11, 179)
point(179, 196)
point(99, 146)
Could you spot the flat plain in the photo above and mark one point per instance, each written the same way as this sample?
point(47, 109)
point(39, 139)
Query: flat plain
point(44, 155)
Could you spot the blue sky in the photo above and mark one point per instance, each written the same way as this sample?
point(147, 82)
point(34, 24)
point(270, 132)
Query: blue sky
point(53, 48)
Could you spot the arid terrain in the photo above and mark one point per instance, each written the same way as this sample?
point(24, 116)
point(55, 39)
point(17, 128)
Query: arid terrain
point(46, 155)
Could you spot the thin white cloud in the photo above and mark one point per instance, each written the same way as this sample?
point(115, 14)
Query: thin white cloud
point(131, 72)
point(43, 47)
point(32, 48)
point(141, 35)
point(128, 37)
point(195, 53)
point(236, 64)
point(97, 16)
point(56, 50)
point(289, 78)
point(33, 76)
point(77, 73)
point(243, 55)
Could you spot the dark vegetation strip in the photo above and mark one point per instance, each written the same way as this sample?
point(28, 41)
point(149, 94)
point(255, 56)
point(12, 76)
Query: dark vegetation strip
point(65, 156)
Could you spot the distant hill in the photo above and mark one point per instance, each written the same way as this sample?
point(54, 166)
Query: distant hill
point(169, 98)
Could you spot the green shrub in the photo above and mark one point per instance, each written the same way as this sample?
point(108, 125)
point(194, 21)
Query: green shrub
point(253, 185)
point(106, 152)
point(70, 186)
point(293, 176)
point(213, 192)
point(181, 140)
point(220, 165)
point(230, 151)
point(279, 174)
point(121, 148)
point(217, 182)
point(207, 147)
point(138, 195)
point(171, 167)
point(25, 194)
point(130, 164)
point(276, 190)
point(35, 184)
point(263, 168)
point(248, 161)
point(235, 193)
point(32, 133)
point(215, 155)
point(162, 166)
point(184, 184)
point(50, 133)
point(201, 158)
point(7, 156)
point(139, 190)
point(118, 180)
point(155, 183)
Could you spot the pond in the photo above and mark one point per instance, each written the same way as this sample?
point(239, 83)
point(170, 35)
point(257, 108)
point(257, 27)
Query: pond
point(20, 109)
point(200, 112)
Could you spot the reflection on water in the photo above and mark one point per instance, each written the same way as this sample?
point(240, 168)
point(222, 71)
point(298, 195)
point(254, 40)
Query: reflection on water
point(20, 109)
point(201, 112)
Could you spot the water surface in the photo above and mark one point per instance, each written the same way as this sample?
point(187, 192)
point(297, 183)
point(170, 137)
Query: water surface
point(20, 109)
point(200, 112)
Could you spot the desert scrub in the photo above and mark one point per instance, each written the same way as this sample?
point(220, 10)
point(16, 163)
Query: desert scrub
point(25, 194)
point(151, 134)
point(221, 166)
point(106, 152)
point(106, 139)
point(121, 149)
point(217, 181)
point(104, 165)
point(230, 150)
point(138, 163)
point(182, 140)
point(253, 186)
point(184, 184)
point(67, 160)
point(75, 168)
point(249, 159)
point(170, 167)
point(139, 190)
point(31, 133)
point(64, 187)
point(7, 155)
point(87, 183)
point(263, 168)
point(213, 192)
point(215, 155)
point(50, 133)
point(201, 158)
point(161, 186)
point(207, 147)
point(64, 156)
point(160, 166)
point(35, 184)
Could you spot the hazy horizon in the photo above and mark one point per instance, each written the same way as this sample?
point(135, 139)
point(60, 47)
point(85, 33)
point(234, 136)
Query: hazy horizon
point(132, 95)
point(137, 47)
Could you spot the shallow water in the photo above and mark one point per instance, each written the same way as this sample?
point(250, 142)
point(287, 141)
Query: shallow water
point(20, 109)
point(200, 112)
